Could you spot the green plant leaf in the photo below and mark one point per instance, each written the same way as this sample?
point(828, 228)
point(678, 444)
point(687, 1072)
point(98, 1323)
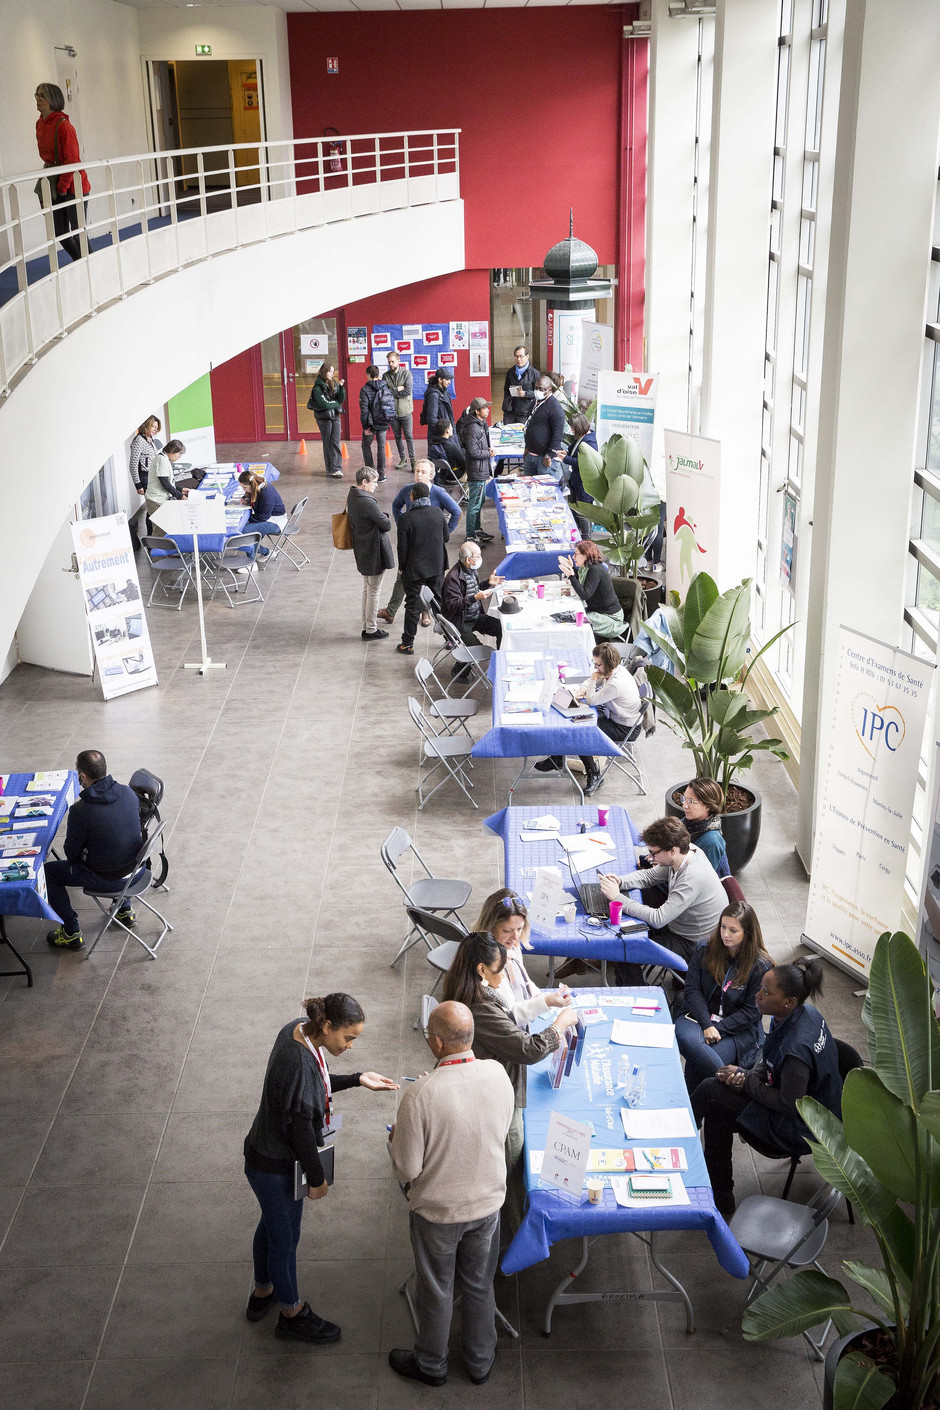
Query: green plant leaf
point(597, 514)
point(718, 646)
point(842, 1167)
point(929, 1113)
point(787, 1308)
point(883, 1131)
point(591, 466)
point(671, 690)
point(635, 464)
point(622, 496)
point(907, 1038)
point(702, 594)
point(877, 1284)
point(860, 1385)
point(615, 460)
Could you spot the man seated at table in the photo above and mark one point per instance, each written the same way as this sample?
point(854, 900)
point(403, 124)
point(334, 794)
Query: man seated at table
point(463, 600)
point(688, 897)
point(102, 839)
point(446, 452)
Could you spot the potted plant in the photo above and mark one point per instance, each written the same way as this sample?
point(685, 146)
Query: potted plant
point(708, 705)
point(884, 1156)
point(614, 477)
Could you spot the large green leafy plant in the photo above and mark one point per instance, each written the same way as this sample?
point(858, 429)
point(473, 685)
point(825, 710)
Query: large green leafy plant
point(706, 703)
point(884, 1155)
point(614, 476)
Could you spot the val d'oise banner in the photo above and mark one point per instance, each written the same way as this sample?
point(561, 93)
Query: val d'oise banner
point(866, 797)
point(626, 402)
point(693, 469)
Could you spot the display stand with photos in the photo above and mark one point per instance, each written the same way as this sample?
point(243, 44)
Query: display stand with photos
point(199, 514)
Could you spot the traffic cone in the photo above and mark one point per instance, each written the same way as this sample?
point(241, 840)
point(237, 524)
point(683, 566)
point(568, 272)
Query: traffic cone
point(302, 448)
point(388, 451)
point(343, 451)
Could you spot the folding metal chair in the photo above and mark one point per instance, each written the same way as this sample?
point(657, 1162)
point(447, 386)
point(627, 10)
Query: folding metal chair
point(284, 545)
point(453, 714)
point(628, 761)
point(780, 1234)
point(234, 563)
point(171, 571)
point(149, 790)
point(442, 895)
point(452, 753)
point(441, 955)
point(139, 881)
point(477, 658)
point(428, 1005)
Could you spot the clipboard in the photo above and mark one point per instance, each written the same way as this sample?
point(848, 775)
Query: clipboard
point(327, 1155)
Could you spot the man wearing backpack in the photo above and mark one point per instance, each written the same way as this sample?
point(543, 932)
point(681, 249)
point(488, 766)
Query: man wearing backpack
point(376, 412)
point(400, 383)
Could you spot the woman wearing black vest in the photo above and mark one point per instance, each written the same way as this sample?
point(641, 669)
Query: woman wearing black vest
point(799, 1060)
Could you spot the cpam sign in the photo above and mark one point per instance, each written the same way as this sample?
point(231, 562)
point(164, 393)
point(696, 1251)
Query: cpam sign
point(866, 798)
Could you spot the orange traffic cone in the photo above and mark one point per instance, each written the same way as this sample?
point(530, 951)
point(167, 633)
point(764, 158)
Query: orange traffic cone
point(302, 448)
point(344, 451)
point(388, 451)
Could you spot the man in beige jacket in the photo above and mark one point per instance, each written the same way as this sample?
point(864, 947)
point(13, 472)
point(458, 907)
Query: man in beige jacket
point(447, 1150)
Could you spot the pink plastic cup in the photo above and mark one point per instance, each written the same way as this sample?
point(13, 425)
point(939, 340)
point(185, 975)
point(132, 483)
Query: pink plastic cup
point(540, 590)
point(579, 618)
point(616, 911)
point(602, 817)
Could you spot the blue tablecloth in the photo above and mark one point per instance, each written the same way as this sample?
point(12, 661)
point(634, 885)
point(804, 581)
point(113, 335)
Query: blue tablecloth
point(28, 898)
point(522, 561)
point(211, 543)
point(577, 938)
point(228, 483)
point(589, 1094)
point(555, 734)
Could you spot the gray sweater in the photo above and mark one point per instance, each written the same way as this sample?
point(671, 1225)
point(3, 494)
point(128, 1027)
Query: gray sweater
point(695, 902)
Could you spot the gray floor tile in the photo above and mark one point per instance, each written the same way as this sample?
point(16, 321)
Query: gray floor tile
point(717, 1373)
point(201, 1311)
point(349, 1294)
point(80, 1297)
point(124, 1081)
point(286, 1381)
point(582, 1380)
point(201, 1147)
point(90, 1148)
point(76, 1224)
point(30, 1386)
point(23, 1138)
point(10, 1196)
point(164, 1384)
point(206, 1223)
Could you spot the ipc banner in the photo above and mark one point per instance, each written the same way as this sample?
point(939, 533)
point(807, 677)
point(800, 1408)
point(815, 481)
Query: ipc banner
point(113, 605)
point(693, 470)
point(866, 797)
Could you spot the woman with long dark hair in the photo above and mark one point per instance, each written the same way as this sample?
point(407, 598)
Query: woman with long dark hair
point(293, 1121)
point(326, 403)
point(718, 1021)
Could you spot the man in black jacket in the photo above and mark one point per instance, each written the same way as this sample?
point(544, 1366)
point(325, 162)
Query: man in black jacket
point(544, 433)
point(519, 387)
point(422, 557)
point(400, 383)
point(102, 839)
point(372, 546)
point(437, 404)
point(376, 412)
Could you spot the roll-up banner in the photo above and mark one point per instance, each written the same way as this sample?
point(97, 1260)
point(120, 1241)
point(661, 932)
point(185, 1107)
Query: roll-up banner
point(929, 937)
point(626, 402)
point(693, 470)
point(866, 798)
point(597, 355)
point(113, 605)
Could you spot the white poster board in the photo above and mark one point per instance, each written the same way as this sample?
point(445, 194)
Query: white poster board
point(200, 445)
point(566, 346)
point(626, 402)
point(114, 608)
point(693, 482)
point(548, 896)
point(315, 344)
point(866, 797)
point(567, 1143)
point(597, 355)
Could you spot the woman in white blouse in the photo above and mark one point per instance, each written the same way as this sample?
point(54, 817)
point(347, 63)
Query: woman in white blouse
point(506, 918)
point(615, 695)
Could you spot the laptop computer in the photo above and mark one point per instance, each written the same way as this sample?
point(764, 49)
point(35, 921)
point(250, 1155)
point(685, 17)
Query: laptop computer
point(592, 898)
point(566, 704)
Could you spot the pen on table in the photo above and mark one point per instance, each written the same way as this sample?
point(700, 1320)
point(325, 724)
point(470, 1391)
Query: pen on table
point(409, 1079)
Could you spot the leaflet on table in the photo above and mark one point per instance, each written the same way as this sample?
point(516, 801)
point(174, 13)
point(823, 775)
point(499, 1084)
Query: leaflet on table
point(20, 839)
point(527, 836)
point(7, 804)
point(517, 657)
point(547, 822)
point(657, 1123)
point(9, 852)
point(615, 1160)
point(589, 1016)
point(584, 841)
point(40, 805)
point(643, 1035)
point(520, 715)
point(47, 782)
point(567, 1143)
point(21, 870)
point(521, 691)
point(649, 1191)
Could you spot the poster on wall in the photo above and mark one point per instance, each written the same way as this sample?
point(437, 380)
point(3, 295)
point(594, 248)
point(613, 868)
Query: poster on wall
point(357, 342)
point(693, 480)
point(447, 359)
point(597, 355)
point(460, 337)
point(480, 362)
point(433, 338)
point(479, 335)
point(412, 332)
point(381, 340)
point(114, 609)
point(421, 363)
point(315, 344)
point(866, 798)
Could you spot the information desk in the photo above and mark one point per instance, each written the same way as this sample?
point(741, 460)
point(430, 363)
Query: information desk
point(224, 475)
point(549, 733)
point(576, 938)
point(590, 1094)
point(535, 522)
point(532, 629)
point(236, 522)
point(27, 896)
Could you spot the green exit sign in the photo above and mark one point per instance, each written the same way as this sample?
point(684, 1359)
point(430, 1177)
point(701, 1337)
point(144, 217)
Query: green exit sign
point(203, 48)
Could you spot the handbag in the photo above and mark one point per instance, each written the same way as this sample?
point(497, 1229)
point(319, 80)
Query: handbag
point(342, 530)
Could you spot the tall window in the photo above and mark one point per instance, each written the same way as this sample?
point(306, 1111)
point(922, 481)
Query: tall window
point(703, 98)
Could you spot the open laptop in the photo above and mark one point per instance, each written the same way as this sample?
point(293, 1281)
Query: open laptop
point(592, 898)
point(566, 704)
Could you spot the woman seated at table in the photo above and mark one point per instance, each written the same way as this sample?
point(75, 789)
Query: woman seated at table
point(717, 1020)
point(476, 979)
point(266, 506)
point(590, 580)
point(506, 918)
point(703, 803)
point(616, 697)
point(800, 1059)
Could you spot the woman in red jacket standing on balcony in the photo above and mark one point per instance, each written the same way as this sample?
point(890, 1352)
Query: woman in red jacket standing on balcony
point(58, 146)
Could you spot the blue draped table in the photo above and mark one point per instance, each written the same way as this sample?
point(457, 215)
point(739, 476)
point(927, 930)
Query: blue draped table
point(553, 734)
point(28, 898)
point(521, 561)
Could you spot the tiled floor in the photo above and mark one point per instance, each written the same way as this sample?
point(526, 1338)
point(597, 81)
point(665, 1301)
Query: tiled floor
point(128, 1084)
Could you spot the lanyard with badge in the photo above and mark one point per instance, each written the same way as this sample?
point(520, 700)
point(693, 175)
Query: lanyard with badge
point(331, 1125)
point(729, 975)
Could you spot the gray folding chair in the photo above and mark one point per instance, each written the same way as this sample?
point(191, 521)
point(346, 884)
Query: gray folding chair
point(777, 1234)
point(476, 658)
point(453, 714)
point(232, 568)
point(442, 895)
point(451, 754)
point(136, 884)
point(284, 545)
point(171, 570)
point(441, 955)
point(628, 761)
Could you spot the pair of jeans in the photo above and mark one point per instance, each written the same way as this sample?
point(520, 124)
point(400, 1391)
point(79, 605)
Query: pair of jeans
point(60, 875)
point(371, 587)
point(532, 465)
point(401, 428)
point(378, 435)
point(476, 493)
point(274, 1247)
point(413, 607)
point(468, 1254)
point(702, 1060)
point(330, 435)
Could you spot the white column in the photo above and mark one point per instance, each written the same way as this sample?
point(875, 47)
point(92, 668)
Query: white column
point(736, 273)
point(879, 255)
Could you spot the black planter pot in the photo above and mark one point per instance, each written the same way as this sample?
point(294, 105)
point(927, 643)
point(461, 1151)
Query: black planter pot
point(833, 1356)
point(741, 831)
point(655, 591)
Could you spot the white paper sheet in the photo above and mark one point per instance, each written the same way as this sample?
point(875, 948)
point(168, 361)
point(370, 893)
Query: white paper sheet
point(657, 1123)
point(621, 1189)
point(643, 1035)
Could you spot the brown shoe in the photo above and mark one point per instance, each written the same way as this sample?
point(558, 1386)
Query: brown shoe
point(384, 613)
point(425, 619)
point(571, 967)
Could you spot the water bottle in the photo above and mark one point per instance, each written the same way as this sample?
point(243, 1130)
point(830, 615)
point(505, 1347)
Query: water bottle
point(636, 1091)
point(624, 1067)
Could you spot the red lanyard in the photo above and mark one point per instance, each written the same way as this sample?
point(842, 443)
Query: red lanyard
point(456, 1061)
point(325, 1074)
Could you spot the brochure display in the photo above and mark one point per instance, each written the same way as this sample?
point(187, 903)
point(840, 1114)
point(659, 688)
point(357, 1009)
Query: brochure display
point(113, 605)
point(866, 799)
point(199, 514)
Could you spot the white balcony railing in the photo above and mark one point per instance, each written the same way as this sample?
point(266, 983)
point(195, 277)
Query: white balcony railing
point(153, 214)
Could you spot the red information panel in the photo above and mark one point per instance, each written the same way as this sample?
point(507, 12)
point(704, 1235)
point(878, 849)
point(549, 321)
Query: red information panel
point(432, 336)
point(421, 360)
point(448, 359)
point(381, 340)
point(404, 345)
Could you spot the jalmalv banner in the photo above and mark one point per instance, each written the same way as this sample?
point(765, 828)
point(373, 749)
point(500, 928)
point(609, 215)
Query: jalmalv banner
point(693, 478)
point(866, 797)
point(113, 606)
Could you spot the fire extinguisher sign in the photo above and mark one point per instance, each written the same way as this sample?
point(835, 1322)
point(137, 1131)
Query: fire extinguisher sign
point(332, 65)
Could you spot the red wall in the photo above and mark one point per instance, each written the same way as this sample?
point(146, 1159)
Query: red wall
point(537, 93)
point(235, 414)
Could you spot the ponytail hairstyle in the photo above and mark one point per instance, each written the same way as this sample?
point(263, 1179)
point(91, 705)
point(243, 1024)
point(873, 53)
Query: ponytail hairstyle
point(252, 480)
point(802, 980)
point(338, 1010)
point(752, 946)
point(462, 983)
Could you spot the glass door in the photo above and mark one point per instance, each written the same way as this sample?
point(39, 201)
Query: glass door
point(290, 362)
point(274, 386)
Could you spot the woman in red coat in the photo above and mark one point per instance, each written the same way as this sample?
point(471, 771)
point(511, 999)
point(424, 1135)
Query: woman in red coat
point(58, 146)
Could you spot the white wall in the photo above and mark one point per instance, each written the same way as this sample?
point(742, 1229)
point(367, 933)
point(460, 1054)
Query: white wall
point(215, 309)
point(235, 32)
